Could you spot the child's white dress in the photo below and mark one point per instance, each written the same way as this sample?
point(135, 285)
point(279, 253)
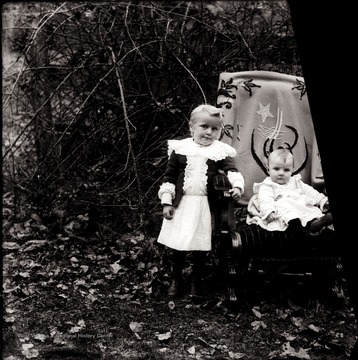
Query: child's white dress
point(294, 200)
point(190, 228)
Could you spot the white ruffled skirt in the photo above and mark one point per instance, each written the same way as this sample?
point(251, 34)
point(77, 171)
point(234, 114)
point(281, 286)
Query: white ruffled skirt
point(190, 228)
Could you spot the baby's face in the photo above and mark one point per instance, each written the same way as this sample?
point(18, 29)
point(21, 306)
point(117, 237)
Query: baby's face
point(280, 171)
point(206, 129)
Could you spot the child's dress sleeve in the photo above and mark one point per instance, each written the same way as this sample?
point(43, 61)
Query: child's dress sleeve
point(234, 175)
point(237, 180)
point(265, 199)
point(259, 209)
point(166, 191)
point(319, 198)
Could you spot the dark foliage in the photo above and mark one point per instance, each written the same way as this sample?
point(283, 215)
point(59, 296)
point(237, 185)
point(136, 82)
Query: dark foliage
point(96, 90)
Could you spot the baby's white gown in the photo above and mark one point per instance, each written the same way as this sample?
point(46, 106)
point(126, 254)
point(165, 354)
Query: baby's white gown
point(294, 200)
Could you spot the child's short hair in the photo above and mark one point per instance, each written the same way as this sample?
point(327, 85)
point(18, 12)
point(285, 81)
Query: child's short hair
point(210, 109)
point(282, 153)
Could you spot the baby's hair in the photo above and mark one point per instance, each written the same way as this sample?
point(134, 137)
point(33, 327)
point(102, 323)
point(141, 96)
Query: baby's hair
point(282, 153)
point(210, 109)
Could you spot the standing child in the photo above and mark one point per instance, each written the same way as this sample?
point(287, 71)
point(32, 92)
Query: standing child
point(187, 190)
point(282, 199)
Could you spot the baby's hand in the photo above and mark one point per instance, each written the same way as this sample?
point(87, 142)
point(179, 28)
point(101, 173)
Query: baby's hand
point(168, 211)
point(235, 193)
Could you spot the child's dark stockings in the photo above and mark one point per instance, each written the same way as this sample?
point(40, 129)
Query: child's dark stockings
point(199, 265)
point(177, 285)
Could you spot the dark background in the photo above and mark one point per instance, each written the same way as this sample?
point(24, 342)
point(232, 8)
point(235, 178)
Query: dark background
point(329, 72)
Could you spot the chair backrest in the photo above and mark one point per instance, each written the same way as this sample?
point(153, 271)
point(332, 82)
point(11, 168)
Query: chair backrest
point(264, 110)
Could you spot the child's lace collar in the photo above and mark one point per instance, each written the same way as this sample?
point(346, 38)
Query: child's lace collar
point(216, 151)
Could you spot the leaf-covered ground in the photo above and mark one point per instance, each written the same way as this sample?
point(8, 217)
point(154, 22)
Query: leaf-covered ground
point(96, 297)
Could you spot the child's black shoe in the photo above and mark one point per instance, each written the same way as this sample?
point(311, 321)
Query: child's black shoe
point(197, 288)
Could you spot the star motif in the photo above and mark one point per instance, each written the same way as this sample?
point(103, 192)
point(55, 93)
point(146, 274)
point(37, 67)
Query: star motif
point(264, 111)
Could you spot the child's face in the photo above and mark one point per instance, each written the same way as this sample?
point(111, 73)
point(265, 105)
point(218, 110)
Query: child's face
point(280, 172)
point(206, 129)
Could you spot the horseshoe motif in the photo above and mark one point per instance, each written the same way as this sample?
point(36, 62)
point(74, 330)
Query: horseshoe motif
point(269, 143)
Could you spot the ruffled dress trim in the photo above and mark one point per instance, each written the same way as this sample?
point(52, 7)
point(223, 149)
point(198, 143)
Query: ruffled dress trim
point(275, 186)
point(195, 176)
point(166, 193)
point(216, 151)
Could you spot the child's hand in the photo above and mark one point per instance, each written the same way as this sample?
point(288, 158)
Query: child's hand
point(235, 193)
point(168, 211)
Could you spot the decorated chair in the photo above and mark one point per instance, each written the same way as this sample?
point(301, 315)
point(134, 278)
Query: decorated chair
point(264, 110)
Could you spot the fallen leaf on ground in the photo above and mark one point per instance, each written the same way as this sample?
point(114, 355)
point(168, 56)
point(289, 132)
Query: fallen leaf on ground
point(136, 327)
point(191, 350)
point(165, 336)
